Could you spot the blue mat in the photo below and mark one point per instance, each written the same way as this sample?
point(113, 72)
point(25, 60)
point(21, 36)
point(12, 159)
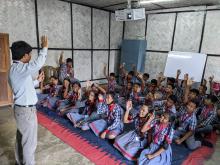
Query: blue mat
point(180, 152)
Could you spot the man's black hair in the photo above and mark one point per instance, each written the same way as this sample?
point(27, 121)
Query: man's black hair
point(19, 49)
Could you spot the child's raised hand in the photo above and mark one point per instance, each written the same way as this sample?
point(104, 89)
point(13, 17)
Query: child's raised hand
point(90, 83)
point(66, 84)
point(87, 83)
point(186, 76)
point(160, 75)
point(100, 97)
point(105, 65)
point(211, 78)
point(140, 75)
point(122, 65)
point(190, 82)
point(178, 72)
point(129, 105)
point(204, 82)
point(152, 116)
point(95, 84)
point(41, 77)
point(62, 53)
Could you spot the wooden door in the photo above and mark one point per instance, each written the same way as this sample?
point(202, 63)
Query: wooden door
point(5, 91)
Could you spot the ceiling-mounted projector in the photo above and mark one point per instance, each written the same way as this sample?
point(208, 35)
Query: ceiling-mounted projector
point(130, 14)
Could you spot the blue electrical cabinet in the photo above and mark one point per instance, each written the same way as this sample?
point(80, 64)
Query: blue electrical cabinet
point(133, 52)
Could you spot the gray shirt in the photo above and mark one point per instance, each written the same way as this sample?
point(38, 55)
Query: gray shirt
point(21, 81)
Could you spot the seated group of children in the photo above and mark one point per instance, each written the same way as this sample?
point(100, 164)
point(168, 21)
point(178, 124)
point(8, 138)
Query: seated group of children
point(160, 112)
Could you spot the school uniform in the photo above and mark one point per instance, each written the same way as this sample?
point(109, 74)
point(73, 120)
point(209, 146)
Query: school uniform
point(88, 108)
point(205, 119)
point(160, 107)
point(65, 72)
point(178, 92)
point(47, 100)
point(71, 101)
point(112, 123)
point(215, 124)
point(187, 122)
point(162, 137)
point(44, 94)
point(111, 85)
point(137, 101)
point(131, 143)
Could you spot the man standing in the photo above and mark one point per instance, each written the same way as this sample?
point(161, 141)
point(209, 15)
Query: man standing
point(25, 97)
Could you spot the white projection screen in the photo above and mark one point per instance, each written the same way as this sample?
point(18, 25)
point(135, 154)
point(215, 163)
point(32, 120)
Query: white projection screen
point(187, 62)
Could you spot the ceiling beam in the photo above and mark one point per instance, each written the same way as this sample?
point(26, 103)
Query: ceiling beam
point(116, 4)
point(124, 3)
point(92, 6)
point(158, 5)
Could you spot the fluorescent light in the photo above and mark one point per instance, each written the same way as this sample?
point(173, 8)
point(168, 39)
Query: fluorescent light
point(179, 56)
point(142, 2)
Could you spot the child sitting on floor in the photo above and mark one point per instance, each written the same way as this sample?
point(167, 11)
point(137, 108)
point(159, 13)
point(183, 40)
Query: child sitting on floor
point(207, 115)
point(154, 99)
point(111, 80)
point(95, 88)
point(127, 90)
point(160, 151)
point(110, 126)
point(186, 125)
point(52, 102)
point(216, 122)
point(49, 90)
point(153, 86)
point(167, 106)
point(71, 100)
point(137, 98)
point(130, 144)
point(81, 119)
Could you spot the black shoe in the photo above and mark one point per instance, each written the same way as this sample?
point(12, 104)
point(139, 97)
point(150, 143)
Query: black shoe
point(207, 143)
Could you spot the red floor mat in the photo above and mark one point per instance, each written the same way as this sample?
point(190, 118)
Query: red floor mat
point(200, 155)
point(99, 157)
point(93, 153)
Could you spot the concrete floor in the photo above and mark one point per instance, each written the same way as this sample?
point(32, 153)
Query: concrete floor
point(50, 150)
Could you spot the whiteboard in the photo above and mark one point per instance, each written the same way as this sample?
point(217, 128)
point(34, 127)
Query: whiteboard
point(187, 62)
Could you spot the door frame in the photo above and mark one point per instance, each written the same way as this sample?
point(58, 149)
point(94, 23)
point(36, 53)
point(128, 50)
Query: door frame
point(9, 101)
